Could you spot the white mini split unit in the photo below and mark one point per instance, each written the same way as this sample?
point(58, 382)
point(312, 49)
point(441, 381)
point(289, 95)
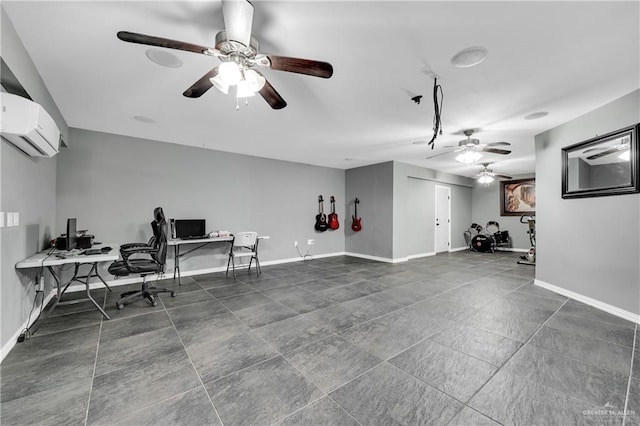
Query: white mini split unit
point(27, 125)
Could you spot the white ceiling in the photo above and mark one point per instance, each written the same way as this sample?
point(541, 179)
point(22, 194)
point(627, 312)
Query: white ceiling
point(565, 58)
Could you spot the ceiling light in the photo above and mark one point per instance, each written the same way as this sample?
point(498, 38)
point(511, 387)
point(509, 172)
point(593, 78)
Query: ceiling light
point(536, 115)
point(255, 80)
point(229, 72)
point(468, 156)
point(625, 156)
point(469, 57)
point(164, 58)
point(143, 119)
point(243, 90)
point(220, 84)
point(486, 179)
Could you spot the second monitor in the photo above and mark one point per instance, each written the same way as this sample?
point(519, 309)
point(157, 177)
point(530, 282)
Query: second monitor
point(189, 228)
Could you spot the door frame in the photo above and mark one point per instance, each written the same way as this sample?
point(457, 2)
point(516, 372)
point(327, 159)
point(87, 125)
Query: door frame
point(435, 227)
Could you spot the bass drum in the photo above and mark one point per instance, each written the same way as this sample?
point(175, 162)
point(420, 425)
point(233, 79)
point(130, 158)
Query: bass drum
point(482, 243)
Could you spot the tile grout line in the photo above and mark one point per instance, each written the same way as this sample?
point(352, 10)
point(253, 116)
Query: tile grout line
point(192, 364)
point(95, 365)
point(513, 354)
point(626, 400)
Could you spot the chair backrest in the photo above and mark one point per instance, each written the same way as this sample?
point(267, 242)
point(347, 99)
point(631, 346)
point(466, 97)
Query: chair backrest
point(245, 239)
point(160, 240)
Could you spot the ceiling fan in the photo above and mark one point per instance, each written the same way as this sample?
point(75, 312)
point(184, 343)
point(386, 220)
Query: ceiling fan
point(623, 149)
point(470, 149)
point(239, 52)
point(487, 175)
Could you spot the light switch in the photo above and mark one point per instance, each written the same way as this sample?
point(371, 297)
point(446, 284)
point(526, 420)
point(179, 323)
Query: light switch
point(16, 218)
point(9, 219)
point(1, 219)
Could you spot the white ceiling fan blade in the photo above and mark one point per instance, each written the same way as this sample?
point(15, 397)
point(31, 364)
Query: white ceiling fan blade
point(238, 19)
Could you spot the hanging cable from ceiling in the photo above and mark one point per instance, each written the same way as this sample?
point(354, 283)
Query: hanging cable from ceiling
point(437, 106)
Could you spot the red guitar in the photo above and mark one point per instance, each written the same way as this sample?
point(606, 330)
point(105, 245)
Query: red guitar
point(357, 221)
point(333, 217)
point(321, 218)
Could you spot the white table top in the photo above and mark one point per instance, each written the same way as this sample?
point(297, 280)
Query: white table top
point(208, 240)
point(199, 240)
point(62, 257)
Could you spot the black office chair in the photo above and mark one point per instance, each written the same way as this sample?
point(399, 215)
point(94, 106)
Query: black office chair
point(154, 255)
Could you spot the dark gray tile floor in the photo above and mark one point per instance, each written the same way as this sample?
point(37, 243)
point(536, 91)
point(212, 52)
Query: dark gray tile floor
point(453, 339)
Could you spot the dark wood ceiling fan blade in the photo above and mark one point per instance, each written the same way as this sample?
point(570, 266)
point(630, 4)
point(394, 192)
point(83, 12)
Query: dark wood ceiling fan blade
point(161, 42)
point(272, 97)
point(301, 66)
point(198, 88)
point(496, 151)
point(603, 153)
point(497, 144)
point(502, 176)
point(238, 19)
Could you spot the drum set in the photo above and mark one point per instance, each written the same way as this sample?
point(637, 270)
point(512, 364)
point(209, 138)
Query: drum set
point(486, 240)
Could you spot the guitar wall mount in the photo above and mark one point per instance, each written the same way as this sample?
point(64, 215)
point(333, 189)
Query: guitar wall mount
point(416, 99)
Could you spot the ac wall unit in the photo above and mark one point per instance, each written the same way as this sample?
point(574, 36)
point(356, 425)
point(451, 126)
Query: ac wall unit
point(28, 126)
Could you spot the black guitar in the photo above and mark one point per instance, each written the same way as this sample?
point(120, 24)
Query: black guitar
point(321, 218)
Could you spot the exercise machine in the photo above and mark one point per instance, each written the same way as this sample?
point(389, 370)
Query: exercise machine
point(530, 257)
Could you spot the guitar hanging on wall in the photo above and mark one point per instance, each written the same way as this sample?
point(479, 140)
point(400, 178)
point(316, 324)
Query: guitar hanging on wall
point(356, 225)
point(333, 216)
point(321, 218)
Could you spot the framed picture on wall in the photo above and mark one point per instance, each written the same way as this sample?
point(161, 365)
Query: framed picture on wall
point(518, 197)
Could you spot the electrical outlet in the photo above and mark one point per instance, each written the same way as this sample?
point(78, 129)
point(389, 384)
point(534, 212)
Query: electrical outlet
point(295, 244)
point(310, 242)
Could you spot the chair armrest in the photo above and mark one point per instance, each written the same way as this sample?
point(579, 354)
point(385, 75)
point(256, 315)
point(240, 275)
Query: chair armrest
point(145, 249)
point(133, 245)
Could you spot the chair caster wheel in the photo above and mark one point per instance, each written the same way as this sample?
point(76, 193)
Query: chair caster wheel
point(154, 303)
point(173, 294)
point(120, 306)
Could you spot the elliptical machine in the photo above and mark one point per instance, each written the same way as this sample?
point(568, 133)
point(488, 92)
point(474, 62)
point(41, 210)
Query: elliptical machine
point(530, 257)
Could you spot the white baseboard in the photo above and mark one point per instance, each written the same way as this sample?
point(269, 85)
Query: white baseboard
point(453, 250)
point(610, 309)
point(13, 340)
point(418, 256)
point(379, 259)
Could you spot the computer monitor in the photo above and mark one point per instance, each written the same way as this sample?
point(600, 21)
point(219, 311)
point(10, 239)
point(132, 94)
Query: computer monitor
point(71, 234)
point(190, 228)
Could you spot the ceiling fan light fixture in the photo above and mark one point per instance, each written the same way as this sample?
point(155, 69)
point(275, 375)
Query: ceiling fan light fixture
point(220, 84)
point(486, 179)
point(468, 157)
point(255, 80)
point(625, 156)
point(230, 73)
point(469, 57)
point(244, 90)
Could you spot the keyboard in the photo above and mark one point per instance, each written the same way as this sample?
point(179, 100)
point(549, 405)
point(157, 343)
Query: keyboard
point(90, 252)
point(192, 237)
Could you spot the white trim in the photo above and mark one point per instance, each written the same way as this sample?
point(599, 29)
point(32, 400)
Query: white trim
point(379, 259)
point(610, 309)
point(419, 255)
point(133, 280)
point(13, 340)
point(458, 249)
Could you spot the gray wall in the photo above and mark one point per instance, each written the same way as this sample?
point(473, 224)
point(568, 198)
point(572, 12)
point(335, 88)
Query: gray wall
point(486, 207)
point(590, 246)
point(373, 185)
point(27, 186)
point(397, 207)
point(112, 183)
point(414, 208)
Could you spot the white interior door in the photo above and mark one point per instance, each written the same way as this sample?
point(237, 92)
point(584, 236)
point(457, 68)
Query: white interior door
point(443, 219)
